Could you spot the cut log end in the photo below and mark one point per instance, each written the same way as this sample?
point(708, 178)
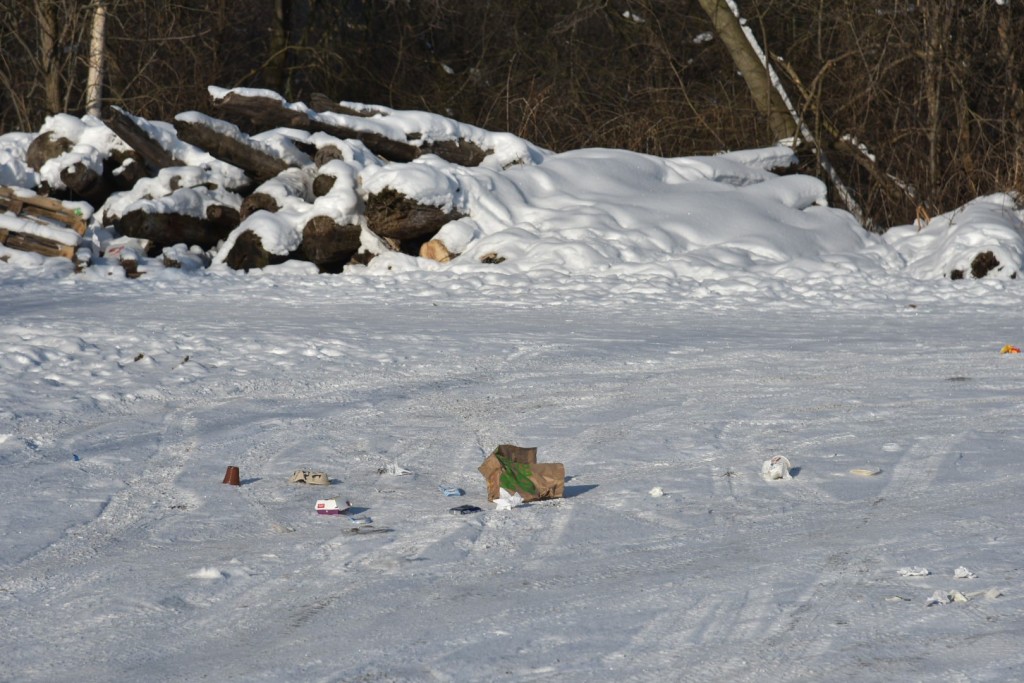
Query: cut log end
point(258, 201)
point(435, 250)
point(248, 253)
point(389, 213)
point(329, 244)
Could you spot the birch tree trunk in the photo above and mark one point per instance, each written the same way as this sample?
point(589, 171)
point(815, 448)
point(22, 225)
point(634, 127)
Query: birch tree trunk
point(97, 47)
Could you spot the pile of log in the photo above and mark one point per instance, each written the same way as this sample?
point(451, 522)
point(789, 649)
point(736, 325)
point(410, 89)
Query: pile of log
point(295, 185)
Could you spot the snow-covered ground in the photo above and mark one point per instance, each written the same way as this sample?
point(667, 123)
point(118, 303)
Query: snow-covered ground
point(134, 562)
point(647, 340)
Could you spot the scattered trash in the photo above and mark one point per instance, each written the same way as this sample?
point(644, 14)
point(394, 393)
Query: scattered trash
point(74, 456)
point(897, 598)
point(656, 492)
point(913, 571)
point(776, 468)
point(449, 490)
point(232, 476)
point(394, 469)
point(1009, 349)
point(211, 573)
point(307, 477)
point(507, 501)
point(363, 530)
point(945, 597)
point(964, 573)
point(464, 510)
point(866, 471)
point(360, 521)
point(329, 506)
point(516, 469)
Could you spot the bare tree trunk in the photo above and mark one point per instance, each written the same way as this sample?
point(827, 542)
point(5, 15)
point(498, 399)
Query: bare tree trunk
point(46, 11)
point(276, 77)
point(753, 68)
point(97, 47)
point(936, 28)
point(1014, 95)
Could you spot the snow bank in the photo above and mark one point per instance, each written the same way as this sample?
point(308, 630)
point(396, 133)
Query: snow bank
point(949, 243)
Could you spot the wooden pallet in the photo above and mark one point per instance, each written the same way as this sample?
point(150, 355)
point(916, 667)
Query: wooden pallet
point(42, 210)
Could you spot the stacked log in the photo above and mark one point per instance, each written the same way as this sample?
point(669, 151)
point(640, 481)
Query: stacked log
point(329, 244)
point(393, 215)
point(168, 229)
point(320, 194)
point(291, 183)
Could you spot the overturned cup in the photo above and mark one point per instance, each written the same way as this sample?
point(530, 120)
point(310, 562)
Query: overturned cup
point(231, 476)
point(776, 468)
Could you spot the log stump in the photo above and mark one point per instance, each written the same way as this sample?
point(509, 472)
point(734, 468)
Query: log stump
point(248, 253)
point(329, 244)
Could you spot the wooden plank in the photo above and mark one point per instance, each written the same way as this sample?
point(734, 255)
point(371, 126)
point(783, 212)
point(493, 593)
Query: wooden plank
point(38, 245)
point(41, 207)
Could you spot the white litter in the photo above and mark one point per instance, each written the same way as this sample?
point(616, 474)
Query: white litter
point(208, 573)
point(913, 571)
point(329, 506)
point(776, 468)
point(394, 469)
point(657, 492)
point(866, 471)
point(945, 597)
point(964, 573)
point(507, 501)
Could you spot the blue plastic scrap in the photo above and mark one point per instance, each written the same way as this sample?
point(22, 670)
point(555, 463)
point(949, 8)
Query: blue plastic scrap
point(449, 490)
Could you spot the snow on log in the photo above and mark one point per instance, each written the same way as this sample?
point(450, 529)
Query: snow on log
point(227, 143)
point(46, 146)
point(168, 229)
point(195, 216)
point(76, 160)
point(263, 112)
point(133, 135)
point(321, 102)
point(462, 152)
point(267, 112)
point(83, 182)
point(290, 184)
point(390, 213)
point(248, 252)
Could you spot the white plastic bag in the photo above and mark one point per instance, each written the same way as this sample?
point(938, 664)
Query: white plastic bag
point(776, 468)
point(507, 501)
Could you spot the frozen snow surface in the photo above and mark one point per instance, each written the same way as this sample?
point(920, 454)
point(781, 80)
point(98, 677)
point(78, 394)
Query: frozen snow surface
point(124, 557)
point(661, 327)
